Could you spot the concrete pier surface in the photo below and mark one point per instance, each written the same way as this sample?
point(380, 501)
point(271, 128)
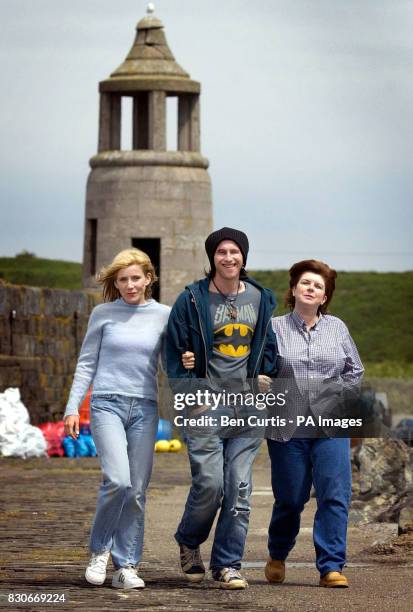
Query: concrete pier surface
point(46, 509)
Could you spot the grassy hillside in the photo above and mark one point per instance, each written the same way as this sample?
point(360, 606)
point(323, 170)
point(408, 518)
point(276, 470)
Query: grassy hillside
point(377, 307)
point(37, 272)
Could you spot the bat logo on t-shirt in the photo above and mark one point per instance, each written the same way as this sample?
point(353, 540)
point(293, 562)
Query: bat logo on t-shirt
point(233, 340)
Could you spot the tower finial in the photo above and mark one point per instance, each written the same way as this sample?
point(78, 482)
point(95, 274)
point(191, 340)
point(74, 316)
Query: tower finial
point(150, 9)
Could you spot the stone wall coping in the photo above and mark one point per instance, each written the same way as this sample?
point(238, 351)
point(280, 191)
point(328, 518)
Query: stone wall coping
point(7, 285)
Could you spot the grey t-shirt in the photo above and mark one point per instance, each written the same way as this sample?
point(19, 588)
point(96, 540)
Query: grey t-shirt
point(232, 337)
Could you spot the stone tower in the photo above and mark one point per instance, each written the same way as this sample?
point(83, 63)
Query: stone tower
point(148, 197)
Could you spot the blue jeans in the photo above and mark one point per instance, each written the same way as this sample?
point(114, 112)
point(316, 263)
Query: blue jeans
point(221, 478)
point(124, 431)
point(295, 465)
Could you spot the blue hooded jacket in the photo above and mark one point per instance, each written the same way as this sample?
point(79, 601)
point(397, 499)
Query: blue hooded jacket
point(190, 329)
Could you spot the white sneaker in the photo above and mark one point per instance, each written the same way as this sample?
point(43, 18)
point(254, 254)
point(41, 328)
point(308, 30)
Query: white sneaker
point(96, 570)
point(127, 578)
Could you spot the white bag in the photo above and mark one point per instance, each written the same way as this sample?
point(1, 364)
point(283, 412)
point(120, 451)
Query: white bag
point(17, 437)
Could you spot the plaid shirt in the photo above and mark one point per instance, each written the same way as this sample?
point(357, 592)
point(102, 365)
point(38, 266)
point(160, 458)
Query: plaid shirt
point(313, 365)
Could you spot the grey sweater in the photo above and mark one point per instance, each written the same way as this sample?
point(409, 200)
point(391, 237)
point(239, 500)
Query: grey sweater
point(120, 351)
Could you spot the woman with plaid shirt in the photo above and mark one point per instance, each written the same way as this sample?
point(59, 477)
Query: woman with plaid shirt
point(317, 361)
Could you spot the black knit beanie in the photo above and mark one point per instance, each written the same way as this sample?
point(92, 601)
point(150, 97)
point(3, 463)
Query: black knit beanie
point(226, 233)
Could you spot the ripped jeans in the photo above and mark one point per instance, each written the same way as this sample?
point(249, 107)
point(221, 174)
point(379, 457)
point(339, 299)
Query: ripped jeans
point(221, 478)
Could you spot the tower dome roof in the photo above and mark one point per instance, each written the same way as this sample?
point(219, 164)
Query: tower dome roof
point(150, 63)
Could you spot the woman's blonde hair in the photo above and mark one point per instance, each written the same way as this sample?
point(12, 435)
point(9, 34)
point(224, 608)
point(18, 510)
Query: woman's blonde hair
point(128, 257)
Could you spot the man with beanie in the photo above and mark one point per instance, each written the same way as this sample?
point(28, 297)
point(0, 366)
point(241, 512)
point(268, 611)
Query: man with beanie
point(221, 324)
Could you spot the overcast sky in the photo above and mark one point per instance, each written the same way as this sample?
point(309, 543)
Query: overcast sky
point(307, 117)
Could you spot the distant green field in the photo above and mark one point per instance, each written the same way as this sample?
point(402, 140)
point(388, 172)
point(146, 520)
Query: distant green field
point(377, 307)
point(37, 272)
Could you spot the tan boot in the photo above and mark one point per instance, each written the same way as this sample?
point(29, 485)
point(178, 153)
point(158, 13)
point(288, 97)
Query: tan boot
point(275, 570)
point(334, 580)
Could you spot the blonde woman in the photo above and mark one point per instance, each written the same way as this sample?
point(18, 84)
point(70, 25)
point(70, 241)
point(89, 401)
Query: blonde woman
point(119, 356)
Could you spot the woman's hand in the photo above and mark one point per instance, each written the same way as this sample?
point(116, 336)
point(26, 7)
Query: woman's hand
point(264, 383)
point(188, 360)
point(72, 426)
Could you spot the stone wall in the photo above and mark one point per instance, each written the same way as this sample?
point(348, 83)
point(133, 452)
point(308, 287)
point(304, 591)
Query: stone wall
point(41, 332)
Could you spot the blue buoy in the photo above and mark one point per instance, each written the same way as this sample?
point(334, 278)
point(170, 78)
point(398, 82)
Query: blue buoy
point(164, 430)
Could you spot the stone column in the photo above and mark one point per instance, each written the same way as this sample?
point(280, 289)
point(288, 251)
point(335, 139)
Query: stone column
point(157, 120)
point(115, 121)
point(195, 124)
point(104, 123)
point(109, 122)
point(188, 123)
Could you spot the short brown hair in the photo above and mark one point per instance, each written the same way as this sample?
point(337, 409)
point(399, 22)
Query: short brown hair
point(128, 257)
point(317, 267)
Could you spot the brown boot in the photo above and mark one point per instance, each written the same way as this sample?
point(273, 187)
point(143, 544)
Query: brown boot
point(275, 571)
point(334, 580)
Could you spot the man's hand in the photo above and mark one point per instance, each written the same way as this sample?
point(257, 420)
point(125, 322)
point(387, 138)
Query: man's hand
point(264, 383)
point(72, 426)
point(188, 360)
